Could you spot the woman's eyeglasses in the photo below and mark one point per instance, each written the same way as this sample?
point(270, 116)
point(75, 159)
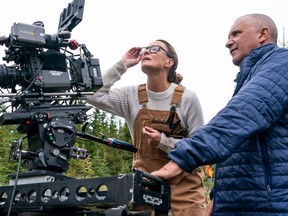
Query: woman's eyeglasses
point(154, 49)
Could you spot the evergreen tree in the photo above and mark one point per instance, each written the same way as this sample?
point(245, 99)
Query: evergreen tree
point(107, 160)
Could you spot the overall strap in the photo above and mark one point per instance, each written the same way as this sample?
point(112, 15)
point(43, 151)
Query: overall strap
point(176, 99)
point(142, 95)
point(177, 95)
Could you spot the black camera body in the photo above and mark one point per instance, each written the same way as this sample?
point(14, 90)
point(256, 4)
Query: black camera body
point(40, 66)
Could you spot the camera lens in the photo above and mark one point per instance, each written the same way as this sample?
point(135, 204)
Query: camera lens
point(9, 76)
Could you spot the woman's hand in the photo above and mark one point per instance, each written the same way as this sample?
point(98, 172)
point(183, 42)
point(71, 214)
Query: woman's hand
point(154, 136)
point(132, 57)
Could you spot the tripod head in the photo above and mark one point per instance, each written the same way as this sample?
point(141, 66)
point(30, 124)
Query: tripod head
point(51, 133)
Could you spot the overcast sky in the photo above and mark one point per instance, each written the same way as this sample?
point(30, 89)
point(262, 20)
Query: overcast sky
point(198, 31)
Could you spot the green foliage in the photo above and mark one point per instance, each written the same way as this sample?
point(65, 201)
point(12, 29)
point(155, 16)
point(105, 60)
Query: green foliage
point(208, 185)
point(8, 135)
point(80, 169)
point(106, 160)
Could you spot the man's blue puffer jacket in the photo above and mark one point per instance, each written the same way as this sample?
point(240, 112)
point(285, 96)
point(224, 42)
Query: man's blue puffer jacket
point(248, 140)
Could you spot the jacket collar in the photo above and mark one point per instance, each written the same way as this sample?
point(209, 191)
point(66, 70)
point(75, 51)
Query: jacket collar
point(250, 61)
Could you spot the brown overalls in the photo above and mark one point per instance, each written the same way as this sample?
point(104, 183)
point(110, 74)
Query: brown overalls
point(187, 199)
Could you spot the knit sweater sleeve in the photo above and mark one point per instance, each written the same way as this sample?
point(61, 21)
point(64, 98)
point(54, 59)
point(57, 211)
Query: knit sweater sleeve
point(112, 100)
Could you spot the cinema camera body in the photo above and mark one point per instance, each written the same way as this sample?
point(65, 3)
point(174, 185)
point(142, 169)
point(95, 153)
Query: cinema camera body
point(44, 88)
point(40, 67)
point(48, 70)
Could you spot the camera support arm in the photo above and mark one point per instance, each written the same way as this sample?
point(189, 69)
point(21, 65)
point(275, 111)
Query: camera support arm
point(109, 141)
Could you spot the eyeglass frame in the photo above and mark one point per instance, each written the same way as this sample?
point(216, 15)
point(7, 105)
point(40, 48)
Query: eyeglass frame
point(159, 48)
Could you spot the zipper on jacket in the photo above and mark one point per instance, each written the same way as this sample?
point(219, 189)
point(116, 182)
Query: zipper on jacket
point(265, 162)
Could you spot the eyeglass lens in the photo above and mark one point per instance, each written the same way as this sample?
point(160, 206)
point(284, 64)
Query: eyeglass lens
point(152, 49)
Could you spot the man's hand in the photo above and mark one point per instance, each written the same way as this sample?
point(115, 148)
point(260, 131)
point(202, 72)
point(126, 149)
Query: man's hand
point(170, 171)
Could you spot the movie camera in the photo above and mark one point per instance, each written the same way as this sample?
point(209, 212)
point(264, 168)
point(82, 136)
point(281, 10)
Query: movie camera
point(40, 67)
point(43, 92)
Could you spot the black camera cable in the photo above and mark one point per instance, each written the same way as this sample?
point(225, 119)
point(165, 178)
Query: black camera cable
point(16, 177)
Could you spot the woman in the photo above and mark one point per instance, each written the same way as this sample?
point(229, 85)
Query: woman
point(158, 113)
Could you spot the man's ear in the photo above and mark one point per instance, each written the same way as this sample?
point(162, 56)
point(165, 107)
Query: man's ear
point(263, 35)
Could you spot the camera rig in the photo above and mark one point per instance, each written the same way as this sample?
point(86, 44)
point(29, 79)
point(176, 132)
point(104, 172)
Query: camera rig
point(44, 89)
point(42, 93)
